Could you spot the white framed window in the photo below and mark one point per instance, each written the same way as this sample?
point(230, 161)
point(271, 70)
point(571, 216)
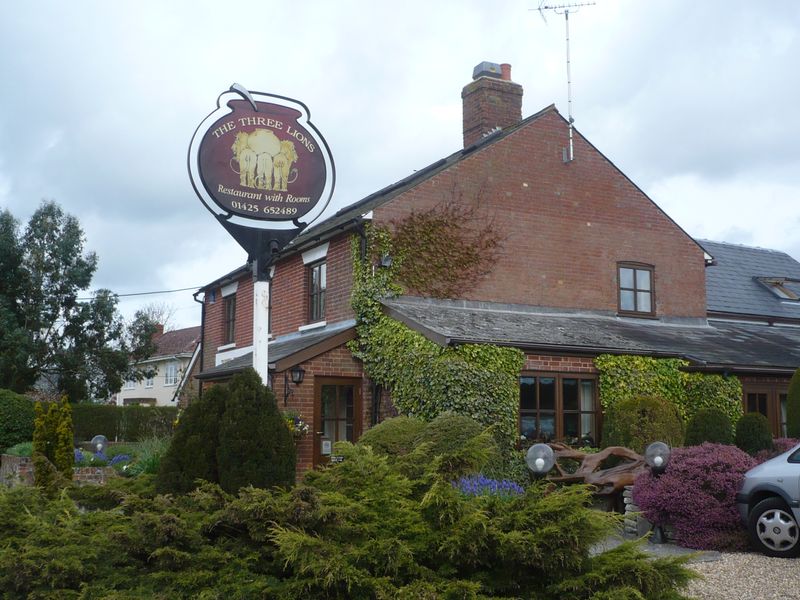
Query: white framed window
point(171, 374)
point(130, 384)
point(148, 382)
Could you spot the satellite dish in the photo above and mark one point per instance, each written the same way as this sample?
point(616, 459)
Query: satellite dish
point(99, 443)
point(540, 458)
point(656, 455)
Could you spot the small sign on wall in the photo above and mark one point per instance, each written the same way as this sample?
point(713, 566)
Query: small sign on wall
point(326, 447)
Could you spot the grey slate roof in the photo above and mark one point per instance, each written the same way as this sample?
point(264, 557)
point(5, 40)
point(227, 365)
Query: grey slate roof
point(731, 285)
point(714, 345)
point(280, 348)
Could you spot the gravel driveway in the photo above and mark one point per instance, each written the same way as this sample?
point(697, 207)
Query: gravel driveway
point(746, 576)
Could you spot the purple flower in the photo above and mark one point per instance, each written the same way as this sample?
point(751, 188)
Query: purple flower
point(119, 458)
point(480, 485)
point(99, 456)
point(78, 455)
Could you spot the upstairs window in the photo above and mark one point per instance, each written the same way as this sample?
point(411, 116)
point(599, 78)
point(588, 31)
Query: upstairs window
point(785, 288)
point(317, 283)
point(230, 319)
point(636, 295)
point(130, 384)
point(171, 374)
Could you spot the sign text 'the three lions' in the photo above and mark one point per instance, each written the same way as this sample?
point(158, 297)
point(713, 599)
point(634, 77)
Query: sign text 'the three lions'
point(268, 164)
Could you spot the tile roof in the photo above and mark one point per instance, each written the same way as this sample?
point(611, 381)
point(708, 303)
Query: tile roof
point(725, 345)
point(179, 341)
point(280, 348)
point(732, 285)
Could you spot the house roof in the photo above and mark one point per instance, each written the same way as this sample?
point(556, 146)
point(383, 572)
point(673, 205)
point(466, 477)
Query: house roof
point(715, 345)
point(733, 286)
point(179, 341)
point(289, 350)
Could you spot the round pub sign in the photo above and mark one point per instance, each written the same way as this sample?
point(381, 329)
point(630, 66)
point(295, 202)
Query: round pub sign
point(258, 159)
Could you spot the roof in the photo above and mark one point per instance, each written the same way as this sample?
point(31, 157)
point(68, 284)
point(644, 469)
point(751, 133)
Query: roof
point(732, 284)
point(714, 345)
point(179, 341)
point(289, 350)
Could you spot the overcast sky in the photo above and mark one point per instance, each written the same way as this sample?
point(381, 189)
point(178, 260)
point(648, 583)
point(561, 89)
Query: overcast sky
point(697, 102)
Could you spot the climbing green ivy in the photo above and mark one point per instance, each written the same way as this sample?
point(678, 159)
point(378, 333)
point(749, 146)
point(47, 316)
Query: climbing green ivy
point(623, 377)
point(425, 379)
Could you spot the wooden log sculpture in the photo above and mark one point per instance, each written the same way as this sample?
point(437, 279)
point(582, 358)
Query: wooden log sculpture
point(609, 481)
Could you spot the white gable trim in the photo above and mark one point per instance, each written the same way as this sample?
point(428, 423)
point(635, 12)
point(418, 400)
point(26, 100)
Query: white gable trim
point(315, 254)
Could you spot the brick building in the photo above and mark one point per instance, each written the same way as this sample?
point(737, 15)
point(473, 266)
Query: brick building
point(588, 265)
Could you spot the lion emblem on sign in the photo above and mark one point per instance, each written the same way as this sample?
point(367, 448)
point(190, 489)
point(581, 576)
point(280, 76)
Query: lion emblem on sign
point(264, 162)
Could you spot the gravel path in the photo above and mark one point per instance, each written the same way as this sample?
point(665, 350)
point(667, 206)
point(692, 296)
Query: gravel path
point(746, 576)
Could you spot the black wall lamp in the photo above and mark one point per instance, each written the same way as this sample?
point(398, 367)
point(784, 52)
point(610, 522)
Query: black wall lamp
point(297, 373)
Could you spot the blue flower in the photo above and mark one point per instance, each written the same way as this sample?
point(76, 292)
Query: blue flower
point(480, 485)
point(119, 458)
point(78, 455)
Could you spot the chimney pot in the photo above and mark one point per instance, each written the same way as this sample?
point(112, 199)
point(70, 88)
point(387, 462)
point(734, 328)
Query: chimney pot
point(505, 70)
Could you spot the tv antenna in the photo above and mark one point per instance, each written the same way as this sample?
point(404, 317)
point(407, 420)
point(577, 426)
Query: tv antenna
point(564, 9)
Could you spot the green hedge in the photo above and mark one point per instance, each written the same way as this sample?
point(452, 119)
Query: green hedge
point(16, 419)
point(122, 423)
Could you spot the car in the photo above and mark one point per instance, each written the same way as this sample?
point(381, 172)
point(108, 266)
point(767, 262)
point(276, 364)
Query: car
point(769, 504)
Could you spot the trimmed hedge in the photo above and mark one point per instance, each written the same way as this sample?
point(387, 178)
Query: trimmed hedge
point(636, 422)
point(753, 433)
point(122, 423)
point(709, 425)
point(16, 419)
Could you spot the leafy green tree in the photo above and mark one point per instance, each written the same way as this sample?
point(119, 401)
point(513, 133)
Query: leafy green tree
point(47, 335)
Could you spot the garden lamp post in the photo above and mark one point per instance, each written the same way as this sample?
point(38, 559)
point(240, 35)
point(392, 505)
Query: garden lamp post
point(540, 458)
point(656, 455)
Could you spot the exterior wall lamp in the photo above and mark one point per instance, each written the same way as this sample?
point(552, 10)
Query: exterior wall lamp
point(297, 374)
point(656, 455)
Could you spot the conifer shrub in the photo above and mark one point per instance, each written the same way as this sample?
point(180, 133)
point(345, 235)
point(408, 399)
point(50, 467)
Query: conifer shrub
point(638, 421)
point(711, 425)
point(192, 452)
point(448, 432)
point(696, 495)
point(793, 406)
point(16, 419)
point(52, 440)
point(753, 433)
point(393, 437)
point(235, 436)
point(255, 445)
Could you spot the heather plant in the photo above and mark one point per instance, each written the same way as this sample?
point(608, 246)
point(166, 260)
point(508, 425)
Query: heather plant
point(696, 495)
point(637, 421)
point(710, 425)
point(779, 446)
point(753, 433)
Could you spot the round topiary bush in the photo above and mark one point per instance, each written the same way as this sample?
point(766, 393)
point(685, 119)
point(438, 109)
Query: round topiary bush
point(711, 425)
point(637, 422)
point(696, 495)
point(753, 433)
point(393, 437)
point(16, 419)
point(448, 432)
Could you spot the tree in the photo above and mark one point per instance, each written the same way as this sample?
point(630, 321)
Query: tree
point(48, 336)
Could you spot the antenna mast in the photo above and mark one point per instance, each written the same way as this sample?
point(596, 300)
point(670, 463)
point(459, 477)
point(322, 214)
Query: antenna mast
point(564, 9)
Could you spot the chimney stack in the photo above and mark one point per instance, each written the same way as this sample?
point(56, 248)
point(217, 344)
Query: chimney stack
point(491, 100)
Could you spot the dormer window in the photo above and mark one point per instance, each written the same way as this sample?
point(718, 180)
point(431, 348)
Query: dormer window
point(636, 290)
point(784, 288)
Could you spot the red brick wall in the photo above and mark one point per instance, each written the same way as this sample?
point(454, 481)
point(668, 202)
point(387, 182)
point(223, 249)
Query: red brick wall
point(559, 364)
point(566, 225)
point(214, 332)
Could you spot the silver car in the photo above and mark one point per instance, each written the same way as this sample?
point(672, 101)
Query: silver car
point(769, 504)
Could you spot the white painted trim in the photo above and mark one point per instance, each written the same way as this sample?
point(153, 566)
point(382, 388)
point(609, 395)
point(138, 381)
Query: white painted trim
point(226, 347)
point(315, 254)
point(316, 325)
point(223, 357)
point(230, 289)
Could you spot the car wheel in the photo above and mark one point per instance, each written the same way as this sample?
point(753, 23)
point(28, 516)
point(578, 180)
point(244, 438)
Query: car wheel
point(773, 528)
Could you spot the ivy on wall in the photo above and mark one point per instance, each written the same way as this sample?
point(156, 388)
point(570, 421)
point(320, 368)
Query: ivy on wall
point(425, 379)
point(623, 377)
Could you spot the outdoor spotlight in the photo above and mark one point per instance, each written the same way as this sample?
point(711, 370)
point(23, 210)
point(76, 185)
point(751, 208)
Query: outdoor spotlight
point(540, 458)
point(386, 261)
point(99, 443)
point(657, 456)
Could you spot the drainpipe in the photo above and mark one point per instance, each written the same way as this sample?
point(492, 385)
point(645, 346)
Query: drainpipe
point(202, 304)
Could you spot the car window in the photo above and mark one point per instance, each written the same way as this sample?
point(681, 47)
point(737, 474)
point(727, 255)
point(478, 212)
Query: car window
point(794, 457)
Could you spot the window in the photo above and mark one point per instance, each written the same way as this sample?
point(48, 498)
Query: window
point(635, 289)
point(171, 374)
point(558, 407)
point(148, 381)
point(130, 384)
point(230, 319)
point(317, 282)
point(784, 288)
point(769, 399)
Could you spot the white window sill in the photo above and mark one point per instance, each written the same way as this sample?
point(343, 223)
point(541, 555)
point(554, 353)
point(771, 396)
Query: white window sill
point(226, 347)
point(316, 325)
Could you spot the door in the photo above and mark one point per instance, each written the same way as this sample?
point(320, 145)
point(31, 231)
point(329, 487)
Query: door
point(337, 414)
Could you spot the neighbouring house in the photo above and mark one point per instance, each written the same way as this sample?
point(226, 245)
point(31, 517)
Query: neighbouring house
point(589, 265)
point(170, 371)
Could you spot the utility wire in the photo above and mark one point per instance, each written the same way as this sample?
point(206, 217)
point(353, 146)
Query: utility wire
point(149, 293)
